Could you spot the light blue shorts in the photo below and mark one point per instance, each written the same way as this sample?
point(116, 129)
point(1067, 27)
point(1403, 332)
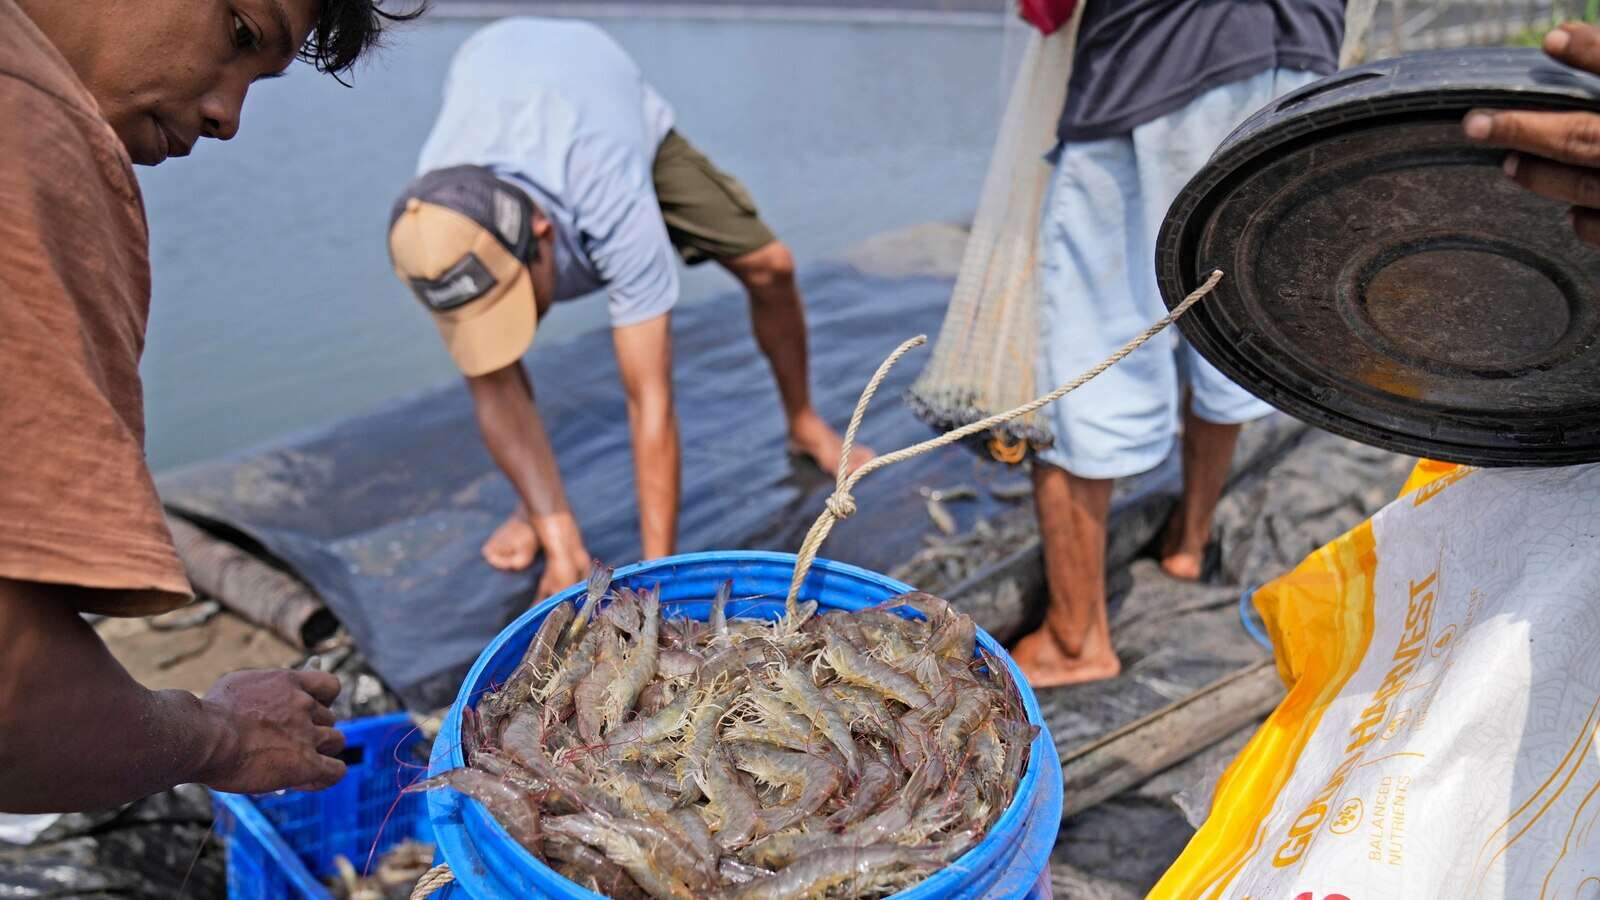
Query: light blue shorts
point(1098, 287)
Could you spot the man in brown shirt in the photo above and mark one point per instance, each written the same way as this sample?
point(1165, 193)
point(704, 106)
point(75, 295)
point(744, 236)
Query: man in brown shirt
point(87, 88)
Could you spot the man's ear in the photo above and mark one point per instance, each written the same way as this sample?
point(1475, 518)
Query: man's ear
point(540, 227)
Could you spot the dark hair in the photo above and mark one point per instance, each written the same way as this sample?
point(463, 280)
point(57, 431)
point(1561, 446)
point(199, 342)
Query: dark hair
point(346, 29)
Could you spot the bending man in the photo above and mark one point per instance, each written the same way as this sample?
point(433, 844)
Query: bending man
point(553, 172)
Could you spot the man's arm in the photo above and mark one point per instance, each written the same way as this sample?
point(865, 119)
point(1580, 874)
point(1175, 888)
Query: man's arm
point(1559, 153)
point(515, 436)
point(644, 358)
point(615, 201)
point(78, 733)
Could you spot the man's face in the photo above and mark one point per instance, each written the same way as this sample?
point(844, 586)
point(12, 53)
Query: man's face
point(170, 72)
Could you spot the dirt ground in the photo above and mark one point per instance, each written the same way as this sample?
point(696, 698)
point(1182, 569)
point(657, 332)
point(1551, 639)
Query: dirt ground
point(192, 658)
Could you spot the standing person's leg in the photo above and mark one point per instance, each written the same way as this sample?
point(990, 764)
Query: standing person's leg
point(1207, 456)
point(1170, 150)
point(1074, 643)
point(1119, 424)
point(710, 215)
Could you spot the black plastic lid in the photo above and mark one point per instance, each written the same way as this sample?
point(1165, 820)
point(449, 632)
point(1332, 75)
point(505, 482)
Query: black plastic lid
point(1385, 280)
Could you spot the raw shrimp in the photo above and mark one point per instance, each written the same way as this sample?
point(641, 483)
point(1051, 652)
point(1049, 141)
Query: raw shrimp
point(875, 785)
point(590, 694)
point(513, 808)
point(719, 616)
point(638, 667)
point(855, 667)
point(536, 664)
point(609, 878)
point(803, 694)
point(599, 580)
point(625, 851)
point(733, 803)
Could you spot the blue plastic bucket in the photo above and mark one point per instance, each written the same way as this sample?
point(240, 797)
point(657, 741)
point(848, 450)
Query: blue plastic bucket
point(1011, 861)
point(1254, 625)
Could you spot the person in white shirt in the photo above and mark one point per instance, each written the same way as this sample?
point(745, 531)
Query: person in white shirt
point(552, 172)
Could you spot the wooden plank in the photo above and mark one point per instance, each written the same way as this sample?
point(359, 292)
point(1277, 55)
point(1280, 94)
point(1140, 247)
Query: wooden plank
point(1122, 759)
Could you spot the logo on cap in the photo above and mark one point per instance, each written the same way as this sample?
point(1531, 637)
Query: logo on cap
point(457, 286)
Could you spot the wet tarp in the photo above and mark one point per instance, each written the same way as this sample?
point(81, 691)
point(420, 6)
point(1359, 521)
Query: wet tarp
point(384, 514)
point(159, 847)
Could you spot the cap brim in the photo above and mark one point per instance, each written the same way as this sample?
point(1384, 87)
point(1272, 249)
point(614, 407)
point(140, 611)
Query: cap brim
point(490, 334)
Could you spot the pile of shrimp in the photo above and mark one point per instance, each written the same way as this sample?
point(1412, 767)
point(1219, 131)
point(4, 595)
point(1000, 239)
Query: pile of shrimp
point(818, 755)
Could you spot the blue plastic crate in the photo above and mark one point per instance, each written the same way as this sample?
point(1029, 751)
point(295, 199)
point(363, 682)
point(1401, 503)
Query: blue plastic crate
point(281, 845)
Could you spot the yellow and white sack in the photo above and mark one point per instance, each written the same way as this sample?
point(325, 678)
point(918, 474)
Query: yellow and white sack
point(1441, 734)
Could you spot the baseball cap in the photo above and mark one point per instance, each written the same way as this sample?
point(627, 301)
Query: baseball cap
point(461, 239)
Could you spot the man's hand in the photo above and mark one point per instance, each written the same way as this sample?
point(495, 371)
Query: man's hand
point(1556, 154)
point(78, 733)
point(274, 731)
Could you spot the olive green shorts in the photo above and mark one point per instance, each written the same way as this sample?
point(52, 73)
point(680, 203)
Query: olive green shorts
point(709, 214)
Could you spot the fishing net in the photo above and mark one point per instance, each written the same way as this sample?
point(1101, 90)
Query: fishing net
point(983, 362)
point(1356, 47)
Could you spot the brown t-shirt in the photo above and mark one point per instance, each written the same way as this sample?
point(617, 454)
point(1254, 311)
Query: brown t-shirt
point(77, 504)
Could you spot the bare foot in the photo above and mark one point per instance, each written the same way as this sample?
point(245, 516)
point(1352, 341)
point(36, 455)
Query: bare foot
point(811, 437)
point(1180, 558)
point(513, 545)
point(1045, 663)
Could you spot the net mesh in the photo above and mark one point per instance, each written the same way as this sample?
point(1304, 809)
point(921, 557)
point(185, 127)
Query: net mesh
point(984, 360)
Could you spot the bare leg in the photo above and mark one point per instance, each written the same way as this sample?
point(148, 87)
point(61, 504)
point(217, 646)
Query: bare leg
point(1207, 454)
point(1074, 644)
point(779, 321)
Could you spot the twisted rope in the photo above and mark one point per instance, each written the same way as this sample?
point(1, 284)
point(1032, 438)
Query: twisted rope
point(432, 880)
point(841, 505)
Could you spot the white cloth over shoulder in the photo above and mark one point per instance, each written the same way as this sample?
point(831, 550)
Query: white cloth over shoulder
point(558, 108)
